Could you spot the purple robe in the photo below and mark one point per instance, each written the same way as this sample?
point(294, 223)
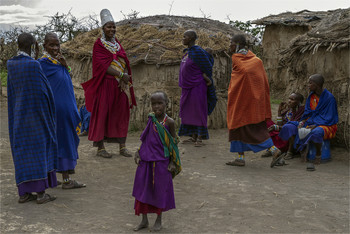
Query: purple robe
point(193, 102)
point(153, 183)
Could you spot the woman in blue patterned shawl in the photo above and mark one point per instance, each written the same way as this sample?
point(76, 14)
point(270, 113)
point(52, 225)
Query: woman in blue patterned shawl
point(32, 124)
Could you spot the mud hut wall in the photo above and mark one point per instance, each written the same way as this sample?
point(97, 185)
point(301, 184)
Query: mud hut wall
point(334, 66)
point(149, 78)
point(277, 38)
point(81, 72)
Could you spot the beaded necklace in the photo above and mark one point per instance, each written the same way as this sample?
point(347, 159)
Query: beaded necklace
point(49, 57)
point(242, 51)
point(162, 122)
point(22, 53)
point(112, 46)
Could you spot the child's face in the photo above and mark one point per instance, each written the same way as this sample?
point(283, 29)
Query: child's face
point(293, 100)
point(158, 104)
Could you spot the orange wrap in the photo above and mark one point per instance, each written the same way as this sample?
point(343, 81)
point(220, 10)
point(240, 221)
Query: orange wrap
point(248, 92)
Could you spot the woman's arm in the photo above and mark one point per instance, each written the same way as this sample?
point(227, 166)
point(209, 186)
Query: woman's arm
point(123, 76)
point(171, 124)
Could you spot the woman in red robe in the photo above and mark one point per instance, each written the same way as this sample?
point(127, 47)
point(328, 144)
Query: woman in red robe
point(109, 95)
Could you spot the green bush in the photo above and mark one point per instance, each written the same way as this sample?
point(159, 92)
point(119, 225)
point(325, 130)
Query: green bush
point(3, 74)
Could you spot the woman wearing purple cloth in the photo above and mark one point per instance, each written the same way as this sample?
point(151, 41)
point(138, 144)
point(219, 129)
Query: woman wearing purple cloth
point(194, 79)
point(158, 161)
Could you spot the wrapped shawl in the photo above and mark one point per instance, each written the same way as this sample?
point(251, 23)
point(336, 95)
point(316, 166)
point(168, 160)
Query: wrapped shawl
point(68, 117)
point(100, 65)
point(169, 144)
point(32, 120)
point(326, 112)
point(248, 99)
point(205, 63)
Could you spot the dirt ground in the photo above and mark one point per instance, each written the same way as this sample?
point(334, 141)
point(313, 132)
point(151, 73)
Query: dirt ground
point(211, 197)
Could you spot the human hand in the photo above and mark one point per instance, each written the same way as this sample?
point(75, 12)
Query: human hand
point(171, 167)
point(137, 157)
point(126, 78)
point(122, 85)
point(282, 107)
point(311, 127)
point(62, 60)
point(209, 82)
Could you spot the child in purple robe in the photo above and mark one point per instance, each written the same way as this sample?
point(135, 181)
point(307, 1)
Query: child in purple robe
point(158, 161)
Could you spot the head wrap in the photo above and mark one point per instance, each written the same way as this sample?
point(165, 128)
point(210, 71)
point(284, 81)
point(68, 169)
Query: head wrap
point(106, 16)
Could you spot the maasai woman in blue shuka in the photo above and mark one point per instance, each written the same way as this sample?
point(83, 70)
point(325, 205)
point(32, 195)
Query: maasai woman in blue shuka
point(318, 123)
point(67, 112)
point(324, 115)
point(31, 115)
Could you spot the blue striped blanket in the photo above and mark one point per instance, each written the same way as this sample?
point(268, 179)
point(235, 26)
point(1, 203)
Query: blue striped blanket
point(32, 120)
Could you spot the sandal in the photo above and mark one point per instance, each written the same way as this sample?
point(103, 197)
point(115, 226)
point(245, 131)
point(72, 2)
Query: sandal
point(85, 133)
point(277, 155)
point(237, 162)
point(317, 159)
point(190, 140)
point(310, 167)
point(198, 143)
point(289, 156)
point(266, 154)
point(103, 153)
point(125, 152)
point(26, 198)
point(73, 184)
point(281, 162)
point(46, 198)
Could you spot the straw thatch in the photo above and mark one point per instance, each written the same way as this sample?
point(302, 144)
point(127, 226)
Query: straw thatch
point(157, 39)
point(296, 49)
point(301, 18)
point(154, 48)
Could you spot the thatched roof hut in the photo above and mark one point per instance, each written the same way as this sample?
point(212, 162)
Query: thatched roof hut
point(154, 48)
point(297, 45)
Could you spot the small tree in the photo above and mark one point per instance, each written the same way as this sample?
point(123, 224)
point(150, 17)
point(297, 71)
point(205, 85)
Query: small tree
point(8, 44)
point(66, 26)
point(256, 32)
point(132, 15)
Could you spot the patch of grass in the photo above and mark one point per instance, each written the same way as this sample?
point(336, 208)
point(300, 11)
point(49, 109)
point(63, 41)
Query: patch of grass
point(133, 128)
point(3, 74)
point(275, 101)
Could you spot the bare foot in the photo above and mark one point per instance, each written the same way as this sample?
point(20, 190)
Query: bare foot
point(157, 224)
point(156, 227)
point(142, 225)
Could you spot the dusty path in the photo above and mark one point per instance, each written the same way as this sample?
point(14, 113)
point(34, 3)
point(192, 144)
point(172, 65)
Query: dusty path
point(210, 196)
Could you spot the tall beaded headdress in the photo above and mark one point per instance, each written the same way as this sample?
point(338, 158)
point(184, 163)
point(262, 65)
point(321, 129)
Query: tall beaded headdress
point(106, 16)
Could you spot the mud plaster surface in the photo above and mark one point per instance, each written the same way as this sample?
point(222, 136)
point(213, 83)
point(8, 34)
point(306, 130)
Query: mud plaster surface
point(210, 196)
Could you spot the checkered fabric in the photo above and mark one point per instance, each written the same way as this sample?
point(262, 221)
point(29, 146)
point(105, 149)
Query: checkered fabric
point(32, 120)
point(189, 130)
